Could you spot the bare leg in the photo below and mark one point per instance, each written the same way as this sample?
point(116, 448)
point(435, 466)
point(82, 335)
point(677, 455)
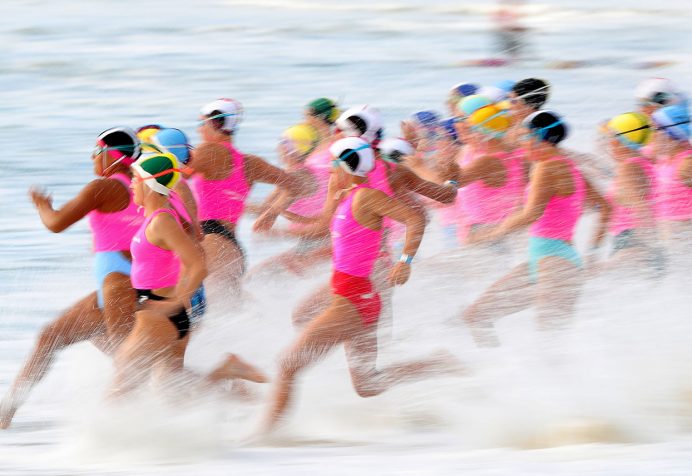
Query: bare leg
point(338, 323)
point(557, 291)
point(120, 302)
point(512, 293)
point(225, 262)
point(368, 381)
point(152, 340)
point(81, 322)
point(312, 306)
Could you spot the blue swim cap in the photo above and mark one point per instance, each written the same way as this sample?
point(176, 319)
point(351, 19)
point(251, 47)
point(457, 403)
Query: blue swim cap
point(427, 119)
point(450, 131)
point(674, 120)
point(465, 89)
point(506, 85)
point(473, 103)
point(174, 141)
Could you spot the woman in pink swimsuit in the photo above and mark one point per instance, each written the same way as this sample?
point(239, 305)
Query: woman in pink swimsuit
point(674, 175)
point(168, 267)
point(104, 316)
point(551, 279)
point(631, 193)
point(222, 179)
point(352, 316)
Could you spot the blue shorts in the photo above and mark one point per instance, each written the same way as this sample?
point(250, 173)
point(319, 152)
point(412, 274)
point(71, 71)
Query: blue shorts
point(105, 263)
point(540, 248)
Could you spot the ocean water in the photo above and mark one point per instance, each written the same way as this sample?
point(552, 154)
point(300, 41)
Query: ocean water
point(611, 396)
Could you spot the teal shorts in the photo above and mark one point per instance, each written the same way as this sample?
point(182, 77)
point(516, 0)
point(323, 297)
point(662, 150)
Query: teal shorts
point(105, 263)
point(540, 248)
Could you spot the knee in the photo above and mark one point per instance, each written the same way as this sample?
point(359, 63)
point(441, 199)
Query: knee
point(52, 337)
point(289, 367)
point(365, 389)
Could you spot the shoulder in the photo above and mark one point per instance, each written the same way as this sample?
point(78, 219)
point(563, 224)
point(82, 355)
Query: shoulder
point(163, 221)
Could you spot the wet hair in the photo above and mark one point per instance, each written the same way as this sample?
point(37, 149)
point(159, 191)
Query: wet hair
point(359, 123)
point(351, 158)
point(122, 140)
point(218, 123)
point(532, 91)
point(546, 126)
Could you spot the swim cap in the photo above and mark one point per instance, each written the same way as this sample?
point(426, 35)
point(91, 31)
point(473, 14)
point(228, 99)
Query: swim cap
point(449, 129)
point(120, 143)
point(145, 133)
point(660, 91)
point(533, 92)
point(158, 171)
point(394, 149)
point(325, 109)
point(426, 119)
point(354, 155)
point(490, 120)
point(174, 141)
point(632, 129)
point(301, 138)
point(361, 121)
point(472, 103)
point(225, 114)
point(493, 93)
point(674, 120)
point(465, 89)
point(546, 126)
point(506, 85)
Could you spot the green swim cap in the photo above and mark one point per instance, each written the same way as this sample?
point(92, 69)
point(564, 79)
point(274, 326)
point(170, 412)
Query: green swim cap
point(324, 108)
point(159, 171)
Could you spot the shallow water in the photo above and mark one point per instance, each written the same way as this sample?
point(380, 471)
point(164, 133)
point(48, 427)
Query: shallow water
point(612, 396)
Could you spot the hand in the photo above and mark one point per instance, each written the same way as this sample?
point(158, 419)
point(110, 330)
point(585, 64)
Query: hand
point(399, 274)
point(40, 198)
point(264, 222)
point(483, 235)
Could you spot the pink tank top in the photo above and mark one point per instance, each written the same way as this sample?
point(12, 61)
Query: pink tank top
point(624, 218)
point(673, 197)
point(153, 267)
point(114, 231)
point(311, 205)
point(354, 247)
point(561, 214)
point(222, 199)
point(482, 204)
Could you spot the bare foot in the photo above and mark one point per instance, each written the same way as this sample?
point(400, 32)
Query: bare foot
point(7, 412)
point(235, 368)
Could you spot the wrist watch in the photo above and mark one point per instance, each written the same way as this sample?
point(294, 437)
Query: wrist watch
point(406, 259)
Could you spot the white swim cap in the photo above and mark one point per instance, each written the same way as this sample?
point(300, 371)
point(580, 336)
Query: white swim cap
point(361, 121)
point(394, 148)
point(354, 155)
point(657, 90)
point(230, 110)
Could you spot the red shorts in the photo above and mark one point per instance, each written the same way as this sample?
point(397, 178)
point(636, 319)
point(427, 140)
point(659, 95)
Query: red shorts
point(361, 294)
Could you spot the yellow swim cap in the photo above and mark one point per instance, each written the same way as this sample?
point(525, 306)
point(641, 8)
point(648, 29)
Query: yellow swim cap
point(490, 120)
point(303, 138)
point(633, 127)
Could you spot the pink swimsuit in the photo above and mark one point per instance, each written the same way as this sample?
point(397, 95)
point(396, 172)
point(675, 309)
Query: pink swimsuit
point(482, 204)
point(319, 168)
point(114, 231)
point(222, 199)
point(624, 218)
point(561, 214)
point(153, 267)
point(355, 249)
point(673, 197)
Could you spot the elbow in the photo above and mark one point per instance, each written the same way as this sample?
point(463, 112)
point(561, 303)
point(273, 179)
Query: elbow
point(55, 227)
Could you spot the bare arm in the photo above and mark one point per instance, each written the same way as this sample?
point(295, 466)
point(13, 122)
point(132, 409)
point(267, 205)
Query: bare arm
point(414, 220)
point(92, 197)
point(685, 171)
point(541, 191)
point(440, 193)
